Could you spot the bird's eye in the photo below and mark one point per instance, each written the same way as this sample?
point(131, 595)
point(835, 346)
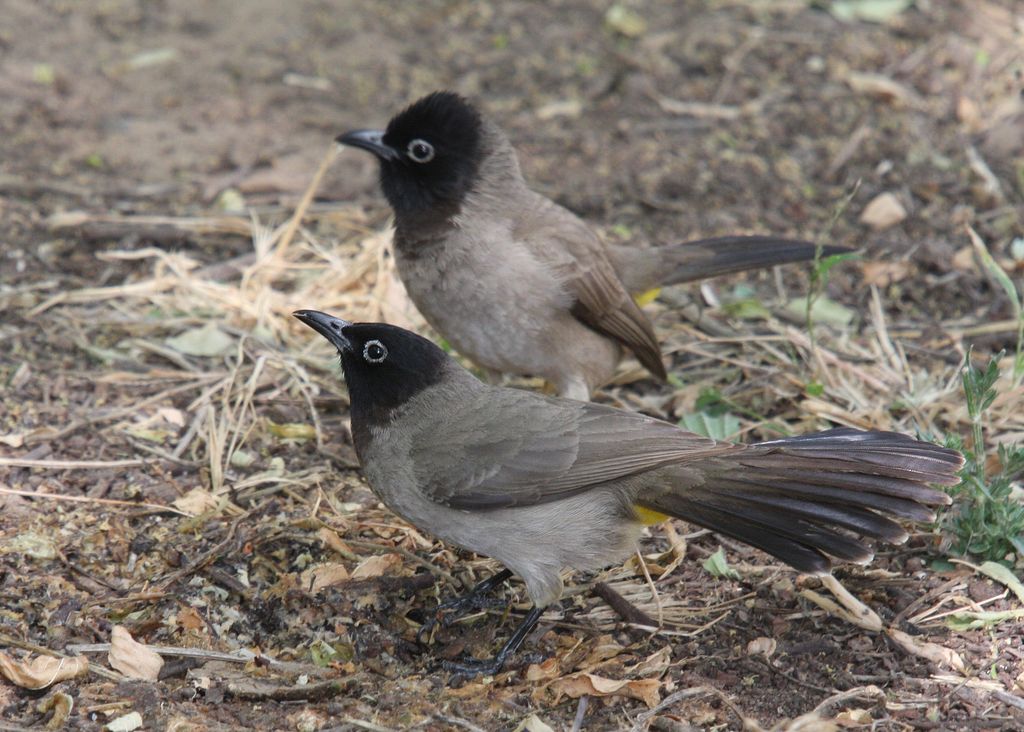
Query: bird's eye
point(420, 151)
point(374, 352)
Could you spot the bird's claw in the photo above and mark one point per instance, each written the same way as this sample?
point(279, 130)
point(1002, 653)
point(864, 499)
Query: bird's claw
point(448, 612)
point(470, 667)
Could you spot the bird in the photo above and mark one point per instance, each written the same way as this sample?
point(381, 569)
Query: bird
point(513, 280)
point(542, 483)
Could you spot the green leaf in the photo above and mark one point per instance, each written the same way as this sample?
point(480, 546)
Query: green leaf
point(974, 620)
point(718, 566)
point(716, 426)
point(747, 309)
point(997, 272)
point(624, 21)
point(292, 430)
point(209, 340)
point(871, 11)
point(823, 309)
point(1000, 574)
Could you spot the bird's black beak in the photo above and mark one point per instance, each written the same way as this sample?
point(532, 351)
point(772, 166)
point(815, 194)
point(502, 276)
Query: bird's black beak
point(372, 140)
point(328, 326)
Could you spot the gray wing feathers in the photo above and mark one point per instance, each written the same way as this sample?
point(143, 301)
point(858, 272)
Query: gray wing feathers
point(532, 449)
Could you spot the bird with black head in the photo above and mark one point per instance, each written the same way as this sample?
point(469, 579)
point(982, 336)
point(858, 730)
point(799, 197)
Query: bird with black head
point(543, 483)
point(510, 278)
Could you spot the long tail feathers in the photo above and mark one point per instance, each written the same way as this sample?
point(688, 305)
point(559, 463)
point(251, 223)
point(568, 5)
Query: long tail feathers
point(703, 258)
point(806, 499)
point(642, 269)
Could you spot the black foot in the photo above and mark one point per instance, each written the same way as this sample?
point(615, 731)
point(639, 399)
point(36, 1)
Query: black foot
point(468, 668)
point(451, 610)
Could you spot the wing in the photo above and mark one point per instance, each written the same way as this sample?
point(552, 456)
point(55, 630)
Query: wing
point(533, 449)
point(601, 301)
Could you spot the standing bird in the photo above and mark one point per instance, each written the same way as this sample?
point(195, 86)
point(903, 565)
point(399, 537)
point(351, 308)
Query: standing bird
point(514, 281)
point(542, 483)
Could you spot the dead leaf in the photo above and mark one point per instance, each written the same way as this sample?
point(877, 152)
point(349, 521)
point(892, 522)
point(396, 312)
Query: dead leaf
point(883, 211)
point(172, 416)
point(196, 502)
point(190, 619)
point(929, 651)
point(854, 718)
point(653, 666)
point(762, 647)
point(575, 686)
point(324, 575)
point(533, 723)
point(132, 658)
point(331, 539)
point(544, 671)
point(15, 439)
point(883, 274)
point(41, 671)
point(884, 88)
point(963, 260)
point(60, 704)
point(376, 565)
point(125, 723)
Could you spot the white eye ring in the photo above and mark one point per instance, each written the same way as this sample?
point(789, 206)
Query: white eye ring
point(420, 151)
point(379, 357)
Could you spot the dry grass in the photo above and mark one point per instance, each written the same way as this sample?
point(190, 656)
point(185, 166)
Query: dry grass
point(889, 375)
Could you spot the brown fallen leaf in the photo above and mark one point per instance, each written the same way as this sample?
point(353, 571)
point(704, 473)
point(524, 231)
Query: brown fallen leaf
point(60, 704)
point(544, 671)
point(41, 671)
point(883, 274)
point(646, 690)
point(762, 647)
point(324, 575)
point(132, 658)
point(963, 260)
point(196, 502)
point(376, 566)
point(653, 666)
point(929, 651)
point(883, 211)
point(190, 619)
point(331, 539)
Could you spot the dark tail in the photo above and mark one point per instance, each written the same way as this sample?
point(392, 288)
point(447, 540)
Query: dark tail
point(642, 269)
point(805, 499)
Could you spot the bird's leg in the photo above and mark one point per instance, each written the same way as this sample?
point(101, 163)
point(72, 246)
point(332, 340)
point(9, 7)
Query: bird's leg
point(450, 610)
point(473, 666)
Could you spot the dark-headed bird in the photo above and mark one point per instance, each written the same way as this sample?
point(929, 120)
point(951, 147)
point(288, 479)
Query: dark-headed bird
point(510, 278)
point(542, 483)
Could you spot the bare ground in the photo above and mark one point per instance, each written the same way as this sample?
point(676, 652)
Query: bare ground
point(238, 522)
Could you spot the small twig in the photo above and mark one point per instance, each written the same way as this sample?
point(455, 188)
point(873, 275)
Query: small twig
point(456, 722)
point(254, 690)
point(206, 558)
point(654, 590)
point(307, 198)
point(625, 609)
point(86, 499)
point(581, 712)
point(241, 656)
point(871, 692)
point(350, 722)
point(69, 464)
point(671, 699)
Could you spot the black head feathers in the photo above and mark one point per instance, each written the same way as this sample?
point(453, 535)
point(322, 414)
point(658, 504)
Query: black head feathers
point(429, 155)
point(384, 365)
